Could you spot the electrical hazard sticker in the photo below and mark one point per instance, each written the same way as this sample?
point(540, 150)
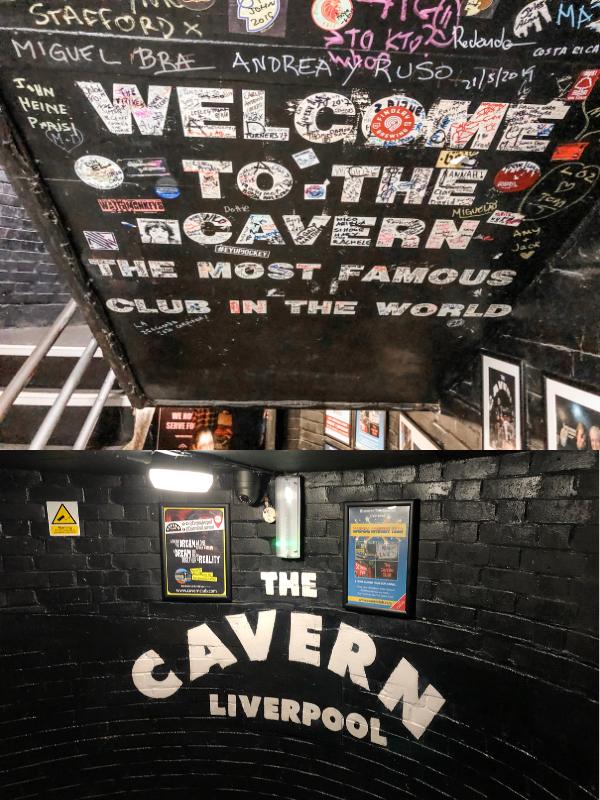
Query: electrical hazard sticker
point(63, 518)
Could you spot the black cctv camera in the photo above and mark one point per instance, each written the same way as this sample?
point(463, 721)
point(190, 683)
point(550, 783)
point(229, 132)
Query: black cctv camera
point(247, 486)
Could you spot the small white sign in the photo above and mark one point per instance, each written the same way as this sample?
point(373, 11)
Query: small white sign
point(63, 517)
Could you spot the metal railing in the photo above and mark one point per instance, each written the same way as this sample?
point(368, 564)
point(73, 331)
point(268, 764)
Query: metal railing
point(10, 395)
point(28, 369)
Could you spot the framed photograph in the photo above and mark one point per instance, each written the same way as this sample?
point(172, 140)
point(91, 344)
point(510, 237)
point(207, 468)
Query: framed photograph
point(369, 430)
point(412, 438)
point(572, 417)
point(196, 552)
point(338, 425)
point(502, 403)
point(380, 556)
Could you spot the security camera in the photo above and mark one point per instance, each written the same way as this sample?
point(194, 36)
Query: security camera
point(247, 486)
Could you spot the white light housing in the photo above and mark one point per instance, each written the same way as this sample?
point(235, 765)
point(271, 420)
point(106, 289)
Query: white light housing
point(288, 507)
point(180, 480)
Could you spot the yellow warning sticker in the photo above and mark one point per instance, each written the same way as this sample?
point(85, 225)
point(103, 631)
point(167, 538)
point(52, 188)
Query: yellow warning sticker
point(63, 518)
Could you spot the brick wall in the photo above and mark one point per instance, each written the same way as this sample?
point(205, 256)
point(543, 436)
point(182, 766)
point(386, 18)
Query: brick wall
point(506, 630)
point(31, 290)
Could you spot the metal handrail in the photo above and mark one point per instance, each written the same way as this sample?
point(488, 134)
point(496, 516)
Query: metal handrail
point(95, 411)
point(53, 416)
point(27, 370)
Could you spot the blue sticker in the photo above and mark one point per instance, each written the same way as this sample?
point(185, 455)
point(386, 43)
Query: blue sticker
point(167, 188)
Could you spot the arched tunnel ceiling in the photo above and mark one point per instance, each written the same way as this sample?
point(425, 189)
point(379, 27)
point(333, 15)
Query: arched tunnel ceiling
point(297, 203)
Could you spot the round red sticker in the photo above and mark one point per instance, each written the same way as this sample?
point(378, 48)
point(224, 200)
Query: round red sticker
point(331, 15)
point(391, 124)
point(517, 177)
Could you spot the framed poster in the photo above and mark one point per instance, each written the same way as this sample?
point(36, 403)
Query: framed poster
point(338, 425)
point(502, 403)
point(379, 556)
point(412, 438)
point(572, 417)
point(196, 552)
point(369, 430)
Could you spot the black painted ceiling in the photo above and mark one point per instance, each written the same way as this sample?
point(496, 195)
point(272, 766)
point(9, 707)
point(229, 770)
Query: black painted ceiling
point(490, 109)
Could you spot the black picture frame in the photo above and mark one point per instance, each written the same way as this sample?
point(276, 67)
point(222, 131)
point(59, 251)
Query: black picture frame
point(410, 559)
point(516, 370)
point(204, 597)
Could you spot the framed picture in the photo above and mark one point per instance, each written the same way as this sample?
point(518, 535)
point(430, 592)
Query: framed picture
point(338, 425)
point(412, 438)
point(196, 552)
point(502, 403)
point(369, 430)
point(380, 556)
point(572, 417)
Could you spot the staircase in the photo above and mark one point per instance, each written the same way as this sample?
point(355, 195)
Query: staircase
point(115, 424)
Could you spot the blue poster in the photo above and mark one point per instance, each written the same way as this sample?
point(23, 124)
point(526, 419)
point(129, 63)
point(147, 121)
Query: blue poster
point(378, 556)
point(369, 430)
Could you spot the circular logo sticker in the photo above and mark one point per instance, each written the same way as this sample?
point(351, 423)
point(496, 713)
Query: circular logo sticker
point(517, 177)
point(198, 5)
point(206, 228)
point(391, 124)
point(167, 188)
point(182, 575)
point(99, 172)
point(474, 7)
point(331, 15)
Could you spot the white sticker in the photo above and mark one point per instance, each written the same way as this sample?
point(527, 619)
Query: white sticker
point(331, 16)
point(506, 218)
point(63, 517)
point(159, 231)
point(99, 172)
point(315, 191)
point(207, 228)
point(306, 158)
point(101, 240)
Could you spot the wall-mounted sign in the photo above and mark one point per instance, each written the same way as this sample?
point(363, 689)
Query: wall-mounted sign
point(63, 517)
point(502, 403)
point(196, 557)
point(410, 437)
point(207, 428)
point(379, 572)
point(338, 425)
point(572, 417)
point(369, 430)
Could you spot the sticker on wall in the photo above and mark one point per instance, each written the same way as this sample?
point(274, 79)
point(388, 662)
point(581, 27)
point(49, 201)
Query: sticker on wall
point(332, 15)
point(99, 172)
point(101, 240)
point(510, 218)
point(207, 228)
point(583, 86)
point(517, 177)
point(144, 167)
point(570, 151)
point(457, 159)
point(315, 191)
point(484, 9)
point(306, 158)
point(393, 120)
point(126, 206)
point(159, 231)
point(167, 188)
point(63, 517)
point(198, 5)
point(260, 17)
point(391, 124)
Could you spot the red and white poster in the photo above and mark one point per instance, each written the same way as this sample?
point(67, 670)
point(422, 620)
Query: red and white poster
point(338, 425)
